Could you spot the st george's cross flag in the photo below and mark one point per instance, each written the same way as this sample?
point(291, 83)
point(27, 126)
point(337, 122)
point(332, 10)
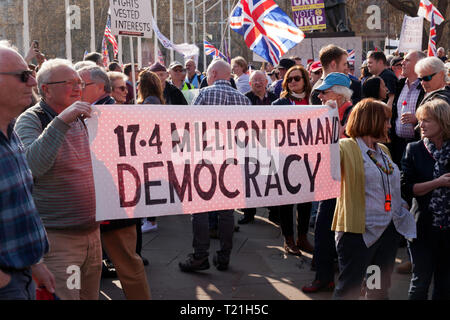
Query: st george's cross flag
point(268, 31)
point(429, 11)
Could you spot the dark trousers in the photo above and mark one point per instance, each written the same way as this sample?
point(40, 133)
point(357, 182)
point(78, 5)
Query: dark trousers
point(354, 257)
point(324, 244)
point(251, 212)
point(286, 214)
point(200, 230)
point(430, 256)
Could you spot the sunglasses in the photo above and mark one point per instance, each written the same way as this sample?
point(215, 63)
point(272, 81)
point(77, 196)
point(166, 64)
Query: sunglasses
point(296, 78)
point(428, 78)
point(74, 84)
point(24, 76)
point(121, 88)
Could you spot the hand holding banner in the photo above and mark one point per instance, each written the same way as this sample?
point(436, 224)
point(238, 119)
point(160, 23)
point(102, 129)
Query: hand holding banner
point(164, 160)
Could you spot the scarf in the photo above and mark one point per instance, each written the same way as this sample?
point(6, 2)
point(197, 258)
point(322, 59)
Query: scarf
point(440, 197)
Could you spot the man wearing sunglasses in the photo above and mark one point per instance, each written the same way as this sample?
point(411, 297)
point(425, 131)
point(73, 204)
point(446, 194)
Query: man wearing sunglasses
point(97, 87)
point(408, 96)
point(433, 77)
point(23, 241)
point(57, 150)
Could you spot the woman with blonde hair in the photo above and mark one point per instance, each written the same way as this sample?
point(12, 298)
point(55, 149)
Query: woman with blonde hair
point(426, 183)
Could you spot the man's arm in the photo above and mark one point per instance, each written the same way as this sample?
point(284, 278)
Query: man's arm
point(41, 146)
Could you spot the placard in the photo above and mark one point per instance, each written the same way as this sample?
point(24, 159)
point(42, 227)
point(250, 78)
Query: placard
point(131, 18)
point(309, 14)
point(151, 160)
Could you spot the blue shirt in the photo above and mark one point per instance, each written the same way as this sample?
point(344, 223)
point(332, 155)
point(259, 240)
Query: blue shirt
point(23, 240)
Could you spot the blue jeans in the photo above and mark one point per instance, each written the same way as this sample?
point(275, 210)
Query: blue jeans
point(354, 258)
point(200, 229)
point(21, 286)
point(430, 256)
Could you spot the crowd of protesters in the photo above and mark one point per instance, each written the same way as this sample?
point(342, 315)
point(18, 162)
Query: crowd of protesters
point(394, 154)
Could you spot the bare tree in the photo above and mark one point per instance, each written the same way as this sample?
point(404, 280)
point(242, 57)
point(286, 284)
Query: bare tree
point(411, 7)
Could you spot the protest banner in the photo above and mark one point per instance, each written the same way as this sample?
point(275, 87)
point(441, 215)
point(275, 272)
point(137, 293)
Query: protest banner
point(411, 35)
point(309, 14)
point(131, 18)
point(166, 160)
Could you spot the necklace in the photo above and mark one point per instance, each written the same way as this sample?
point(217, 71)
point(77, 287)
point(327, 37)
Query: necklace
point(385, 170)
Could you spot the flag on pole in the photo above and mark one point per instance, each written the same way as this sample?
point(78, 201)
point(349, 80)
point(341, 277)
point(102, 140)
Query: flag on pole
point(105, 53)
point(108, 35)
point(432, 39)
point(85, 53)
point(427, 10)
point(227, 52)
point(213, 51)
point(268, 31)
point(351, 56)
point(160, 57)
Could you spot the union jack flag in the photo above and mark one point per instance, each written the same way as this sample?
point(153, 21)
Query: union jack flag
point(268, 31)
point(351, 56)
point(108, 35)
point(213, 51)
point(432, 39)
point(430, 12)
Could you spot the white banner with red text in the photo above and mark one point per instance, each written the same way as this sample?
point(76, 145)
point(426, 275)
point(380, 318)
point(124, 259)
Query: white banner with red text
point(155, 160)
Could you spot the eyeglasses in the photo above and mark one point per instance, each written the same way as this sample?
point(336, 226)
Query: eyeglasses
point(88, 84)
point(296, 78)
point(326, 92)
point(428, 78)
point(24, 75)
point(74, 84)
point(179, 70)
point(121, 88)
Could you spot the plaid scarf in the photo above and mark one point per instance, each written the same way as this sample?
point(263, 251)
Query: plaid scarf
point(440, 197)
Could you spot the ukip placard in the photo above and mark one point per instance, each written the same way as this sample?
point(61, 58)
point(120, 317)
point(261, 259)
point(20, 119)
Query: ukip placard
point(167, 160)
point(309, 14)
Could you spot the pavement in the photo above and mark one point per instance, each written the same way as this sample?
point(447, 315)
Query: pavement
point(259, 268)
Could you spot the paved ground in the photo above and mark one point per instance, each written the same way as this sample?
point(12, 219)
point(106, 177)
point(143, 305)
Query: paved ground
point(259, 268)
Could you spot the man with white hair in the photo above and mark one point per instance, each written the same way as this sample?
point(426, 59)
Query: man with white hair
point(97, 87)
point(23, 241)
point(259, 95)
point(433, 77)
point(219, 92)
point(408, 97)
point(57, 149)
point(441, 54)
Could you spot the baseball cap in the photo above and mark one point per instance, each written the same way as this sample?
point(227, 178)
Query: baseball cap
point(315, 66)
point(156, 67)
point(175, 64)
point(285, 64)
point(396, 60)
point(334, 79)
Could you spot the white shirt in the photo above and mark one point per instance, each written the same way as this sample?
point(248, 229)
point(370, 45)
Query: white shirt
point(377, 218)
point(243, 83)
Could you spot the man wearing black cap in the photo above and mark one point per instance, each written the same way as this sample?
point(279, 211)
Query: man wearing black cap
point(396, 66)
point(283, 67)
point(172, 94)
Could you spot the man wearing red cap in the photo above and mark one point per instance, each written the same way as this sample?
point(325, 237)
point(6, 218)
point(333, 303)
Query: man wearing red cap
point(315, 72)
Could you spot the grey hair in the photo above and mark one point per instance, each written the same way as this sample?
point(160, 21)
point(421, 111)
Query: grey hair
point(45, 72)
point(257, 72)
point(7, 44)
point(81, 64)
point(114, 75)
point(343, 91)
point(97, 74)
point(432, 64)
